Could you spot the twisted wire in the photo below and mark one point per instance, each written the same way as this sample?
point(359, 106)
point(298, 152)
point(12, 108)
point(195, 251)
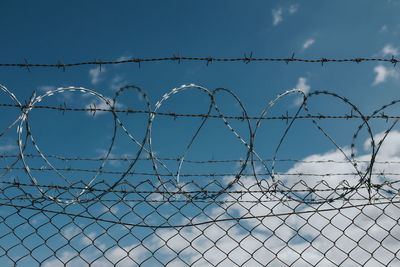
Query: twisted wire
point(145, 146)
point(252, 214)
point(94, 110)
point(208, 60)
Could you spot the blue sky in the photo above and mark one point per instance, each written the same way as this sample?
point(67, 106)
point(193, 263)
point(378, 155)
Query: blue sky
point(51, 31)
point(47, 32)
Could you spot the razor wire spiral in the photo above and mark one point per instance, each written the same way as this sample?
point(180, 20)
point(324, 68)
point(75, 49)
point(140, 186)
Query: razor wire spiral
point(159, 191)
point(251, 155)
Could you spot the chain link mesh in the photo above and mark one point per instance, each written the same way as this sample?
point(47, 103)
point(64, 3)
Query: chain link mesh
point(147, 216)
point(141, 224)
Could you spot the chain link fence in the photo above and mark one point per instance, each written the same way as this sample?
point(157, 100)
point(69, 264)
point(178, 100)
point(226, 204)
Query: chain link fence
point(249, 225)
point(333, 209)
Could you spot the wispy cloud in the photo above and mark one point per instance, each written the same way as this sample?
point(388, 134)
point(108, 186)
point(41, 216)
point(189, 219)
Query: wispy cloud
point(388, 151)
point(70, 232)
point(101, 104)
point(117, 82)
point(293, 8)
point(303, 86)
point(209, 244)
point(390, 50)
point(46, 88)
point(65, 256)
point(384, 28)
point(122, 58)
point(277, 13)
point(308, 43)
point(102, 153)
point(383, 73)
point(277, 16)
point(194, 241)
point(94, 75)
point(7, 148)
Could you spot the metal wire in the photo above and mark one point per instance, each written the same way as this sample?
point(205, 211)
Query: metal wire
point(208, 60)
point(131, 216)
point(146, 214)
point(286, 118)
point(251, 155)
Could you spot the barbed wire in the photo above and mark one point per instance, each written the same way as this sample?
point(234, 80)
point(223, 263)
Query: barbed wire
point(210, 161)
point(93, 109)
point(365, 174)
point(208, 60)
point(42, 210)
point(271, 216)
point(122, 188)
point(142, 216)
point(214, 174)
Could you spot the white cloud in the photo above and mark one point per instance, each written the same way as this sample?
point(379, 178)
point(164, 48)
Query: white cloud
point(277, 16)
point(303, 86)
point(117, 83)
point(327, 238)
point(113, 210)
point(128, 255)
point(46, 88)
point(7, 148)
point(318, 169)
point(101, 104)
point(383, 73)
point(277, 13)
point(102, 153)
point(384, 28)
point(390, 147)
point(123, 58)
point(71, 232)
point(90, 238)
point(390, 50)
point(308, 43)
point(94, 75)
point(313, 238)
point(66, 256)
point(293, 8)
point(124, 256)
point(389, 151)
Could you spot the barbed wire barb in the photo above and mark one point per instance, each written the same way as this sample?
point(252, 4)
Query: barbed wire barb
point(147, 209)
point(207, 60)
